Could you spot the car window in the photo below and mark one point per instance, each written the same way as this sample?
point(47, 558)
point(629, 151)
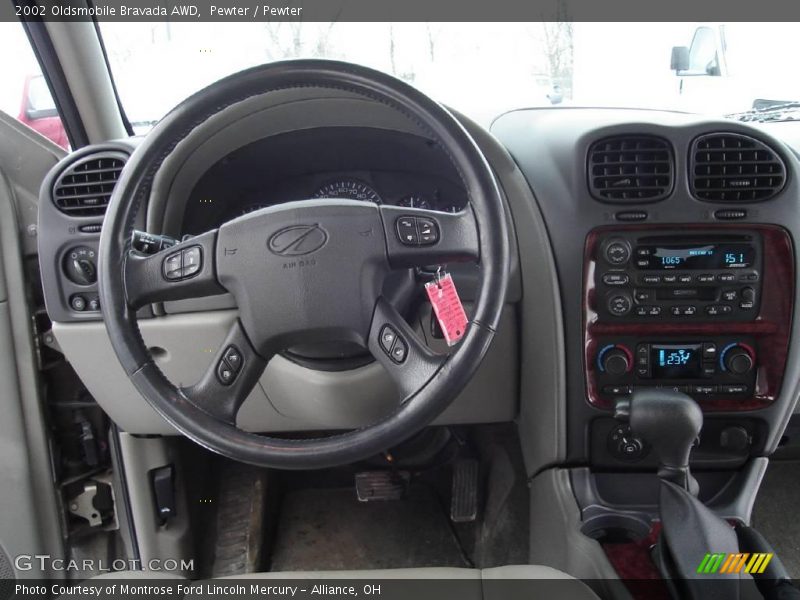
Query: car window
point(24, 93)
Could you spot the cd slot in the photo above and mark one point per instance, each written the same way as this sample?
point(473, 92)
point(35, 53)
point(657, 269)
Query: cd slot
point(687, 293)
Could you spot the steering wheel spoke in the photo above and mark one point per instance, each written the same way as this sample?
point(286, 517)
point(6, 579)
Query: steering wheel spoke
point(418, 238)
point(394, 344)
point(186, 270)
point(230, 378)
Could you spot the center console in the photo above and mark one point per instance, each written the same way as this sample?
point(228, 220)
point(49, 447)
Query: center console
point(702, 310)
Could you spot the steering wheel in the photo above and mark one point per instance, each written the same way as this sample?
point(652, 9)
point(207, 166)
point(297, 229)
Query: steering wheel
point(303, 272)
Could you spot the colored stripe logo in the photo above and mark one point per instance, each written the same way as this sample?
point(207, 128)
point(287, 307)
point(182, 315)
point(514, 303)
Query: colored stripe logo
point(721, 563)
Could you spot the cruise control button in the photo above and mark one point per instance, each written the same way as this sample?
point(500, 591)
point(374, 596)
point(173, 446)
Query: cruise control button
point(387, 338)
point(428, 231)
point(192, 261)
point(407, 231)
point(172, 266)
point(225, 373)
point(233, 357)
point(399, 351)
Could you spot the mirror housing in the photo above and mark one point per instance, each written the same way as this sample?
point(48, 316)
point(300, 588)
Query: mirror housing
point(679, 61)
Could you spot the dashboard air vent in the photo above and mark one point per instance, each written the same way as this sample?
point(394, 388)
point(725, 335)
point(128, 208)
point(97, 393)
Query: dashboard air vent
point(730, 167)
point(631, 168)
point(84, 188)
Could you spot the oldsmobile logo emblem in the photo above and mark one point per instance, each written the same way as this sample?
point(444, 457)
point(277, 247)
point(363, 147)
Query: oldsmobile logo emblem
point(297, 240)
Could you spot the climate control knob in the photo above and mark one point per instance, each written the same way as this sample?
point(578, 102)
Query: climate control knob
point(737, 359)
point(616, 362)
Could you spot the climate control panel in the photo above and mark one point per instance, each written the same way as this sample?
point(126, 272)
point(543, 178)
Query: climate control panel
point(675, 276)
point(720, 366)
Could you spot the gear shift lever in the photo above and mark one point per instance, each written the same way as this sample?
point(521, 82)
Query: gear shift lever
point(670, 422)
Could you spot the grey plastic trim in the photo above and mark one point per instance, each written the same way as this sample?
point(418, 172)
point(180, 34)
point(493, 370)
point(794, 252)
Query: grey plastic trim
point(290, 397)
point(81, 57)
point(26, 468)
point(556, 539)
point(542, 416)
point(155, 541)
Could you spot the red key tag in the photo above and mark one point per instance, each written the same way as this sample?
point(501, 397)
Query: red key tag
point(447, 307)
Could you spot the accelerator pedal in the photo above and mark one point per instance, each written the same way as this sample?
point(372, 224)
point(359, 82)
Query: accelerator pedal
point(464, 496)
point(381, 485)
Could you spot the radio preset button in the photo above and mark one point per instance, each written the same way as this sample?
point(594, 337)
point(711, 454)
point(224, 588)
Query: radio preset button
point(684, 310)
point(648, 311)
point(714, 310)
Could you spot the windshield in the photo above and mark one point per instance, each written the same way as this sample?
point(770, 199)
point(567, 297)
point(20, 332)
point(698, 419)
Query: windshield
point(481, 69)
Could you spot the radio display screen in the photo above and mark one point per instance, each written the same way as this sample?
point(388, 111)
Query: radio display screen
point(707, 256)
point(676, 361)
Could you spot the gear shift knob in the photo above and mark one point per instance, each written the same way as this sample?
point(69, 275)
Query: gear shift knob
point(670, 422)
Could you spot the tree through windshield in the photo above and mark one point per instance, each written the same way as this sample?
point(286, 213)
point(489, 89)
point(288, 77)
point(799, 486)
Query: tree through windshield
point(728, 67)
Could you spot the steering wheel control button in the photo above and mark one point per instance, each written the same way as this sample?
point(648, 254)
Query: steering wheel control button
point(417, 231)
point(173, 265)
point(183, 264)
point(225, 374)
point(428, 231)
point(399, 351)
point(192, 260)
point(233, 357)
point(407, 231)
point(388, 337)
point(391, 343)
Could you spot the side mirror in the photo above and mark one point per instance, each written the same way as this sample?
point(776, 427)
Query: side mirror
point(679, 61)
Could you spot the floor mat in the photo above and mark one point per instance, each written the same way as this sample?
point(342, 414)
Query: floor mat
point(321, 529)
point(775, 513)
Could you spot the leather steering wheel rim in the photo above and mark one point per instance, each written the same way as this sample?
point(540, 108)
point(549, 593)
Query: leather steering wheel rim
point(205, 412)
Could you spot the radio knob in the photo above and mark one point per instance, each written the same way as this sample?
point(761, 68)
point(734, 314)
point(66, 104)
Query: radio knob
point(619, 304)
point(616, 362)
point(617, 252)
point(738, 360)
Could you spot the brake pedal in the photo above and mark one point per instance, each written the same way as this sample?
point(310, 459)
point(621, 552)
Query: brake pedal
point(464, 496)
point(381, 485)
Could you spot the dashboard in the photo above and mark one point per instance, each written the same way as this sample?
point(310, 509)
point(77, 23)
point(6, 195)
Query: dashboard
point(635, 243)
point(355, 163)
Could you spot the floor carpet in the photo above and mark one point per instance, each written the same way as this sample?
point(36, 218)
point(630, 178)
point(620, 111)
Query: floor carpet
point(777, 512)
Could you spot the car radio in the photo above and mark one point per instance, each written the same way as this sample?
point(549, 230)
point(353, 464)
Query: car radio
point(675, 276)
point(720, 366)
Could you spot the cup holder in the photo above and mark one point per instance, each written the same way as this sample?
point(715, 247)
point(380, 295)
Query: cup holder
point(614, 527)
